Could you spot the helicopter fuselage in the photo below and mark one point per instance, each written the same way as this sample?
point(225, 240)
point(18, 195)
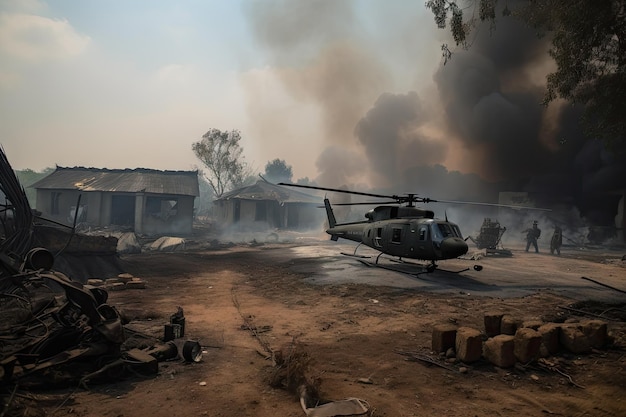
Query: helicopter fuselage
point(406, 237)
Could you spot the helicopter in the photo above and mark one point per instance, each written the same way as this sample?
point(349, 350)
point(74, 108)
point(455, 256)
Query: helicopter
point(402, 231)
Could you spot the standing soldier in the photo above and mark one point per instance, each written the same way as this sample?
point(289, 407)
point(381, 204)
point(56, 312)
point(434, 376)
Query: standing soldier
point(556, 241)
point(532, 235)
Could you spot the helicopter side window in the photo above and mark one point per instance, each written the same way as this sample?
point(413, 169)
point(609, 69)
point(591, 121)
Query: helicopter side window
point(423, 233)
point(396, 235)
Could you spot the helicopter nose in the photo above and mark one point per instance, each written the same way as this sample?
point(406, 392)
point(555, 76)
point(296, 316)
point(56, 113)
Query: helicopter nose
point(453, 247)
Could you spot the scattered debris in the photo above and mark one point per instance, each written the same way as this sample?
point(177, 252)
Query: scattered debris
point(417, 356)
point(490, 238)
point(58, 332)
point(604, 285)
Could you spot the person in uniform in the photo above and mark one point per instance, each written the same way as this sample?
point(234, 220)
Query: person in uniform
point(556, 241)
point(532, 234)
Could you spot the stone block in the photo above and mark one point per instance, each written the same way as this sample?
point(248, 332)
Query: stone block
point(532, 324)
point(500, 350)
point(136, 285)
point(527, 344)
point(550, 334)
point(117, 286)
point(509, 325)
point(493, 322)
point(444, 337)
point(573, 339)
point(596, 331)
point(469, 344)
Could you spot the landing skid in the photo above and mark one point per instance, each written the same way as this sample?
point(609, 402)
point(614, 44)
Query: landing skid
point(354, 255)
point(426, 268)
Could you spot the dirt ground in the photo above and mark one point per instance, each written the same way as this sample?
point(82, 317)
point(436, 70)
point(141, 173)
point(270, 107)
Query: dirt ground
point(246, 306)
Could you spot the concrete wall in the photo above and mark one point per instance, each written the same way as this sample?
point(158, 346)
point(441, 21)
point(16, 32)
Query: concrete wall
point(99, 209)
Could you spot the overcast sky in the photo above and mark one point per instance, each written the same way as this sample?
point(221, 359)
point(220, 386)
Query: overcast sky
point(132, 84)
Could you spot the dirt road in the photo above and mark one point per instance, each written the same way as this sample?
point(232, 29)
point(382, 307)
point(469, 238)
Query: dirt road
point(358, 331)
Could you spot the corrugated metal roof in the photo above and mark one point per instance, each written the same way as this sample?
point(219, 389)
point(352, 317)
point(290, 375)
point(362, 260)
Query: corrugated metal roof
point(264, 190)
point(122, 180)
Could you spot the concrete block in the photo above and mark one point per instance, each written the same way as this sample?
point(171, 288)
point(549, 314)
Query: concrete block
point(444, 337)
point(573, 339)
point(527, 344)
point(509, 325)
point(116, 286)
point(136, 284)
point(550, 334)
point(469, 344)
point(500, 350)
point(532, 324)
point(596, 331)
point(493, 322)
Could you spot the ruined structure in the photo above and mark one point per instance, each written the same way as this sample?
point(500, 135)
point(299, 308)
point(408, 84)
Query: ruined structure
point(265, 205)
point(144, 200)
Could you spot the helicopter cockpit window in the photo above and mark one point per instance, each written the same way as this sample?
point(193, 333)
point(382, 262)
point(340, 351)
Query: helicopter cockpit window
point(396, 235)
point(445, 230)
point(423, 233)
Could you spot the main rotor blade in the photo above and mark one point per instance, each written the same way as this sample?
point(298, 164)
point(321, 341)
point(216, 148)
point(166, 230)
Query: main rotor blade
point(367, 203)
point(492, 205)
point(395, 197)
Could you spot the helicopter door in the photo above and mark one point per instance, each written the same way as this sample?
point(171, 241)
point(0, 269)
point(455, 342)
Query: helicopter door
point(396, 235)
point(378, 237)
point(423, 235)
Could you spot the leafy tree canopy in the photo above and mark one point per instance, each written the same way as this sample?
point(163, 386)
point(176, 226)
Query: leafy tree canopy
point(588, 45)
point(278, 171)
point(221, 154)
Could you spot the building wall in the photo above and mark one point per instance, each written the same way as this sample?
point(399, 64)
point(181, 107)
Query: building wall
point(99, 210)
point(158, 218)
point(65, 200)
point(265, 214)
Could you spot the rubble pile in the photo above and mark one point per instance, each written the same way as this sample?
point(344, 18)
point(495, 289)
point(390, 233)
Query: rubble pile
point(56, 331)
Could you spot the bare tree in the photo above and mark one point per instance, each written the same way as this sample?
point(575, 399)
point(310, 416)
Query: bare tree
point(221, 154)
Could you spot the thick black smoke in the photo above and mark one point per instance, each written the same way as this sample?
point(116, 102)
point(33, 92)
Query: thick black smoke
point(486, 115)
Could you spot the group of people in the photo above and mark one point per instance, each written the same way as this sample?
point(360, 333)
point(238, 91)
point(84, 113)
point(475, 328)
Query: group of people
point(533, 233)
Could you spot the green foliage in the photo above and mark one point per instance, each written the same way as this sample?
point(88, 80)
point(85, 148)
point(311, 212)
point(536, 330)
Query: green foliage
point(28, 177)
point(305, 181)
point(278, 171)
point(588, 39)
point(221, 154)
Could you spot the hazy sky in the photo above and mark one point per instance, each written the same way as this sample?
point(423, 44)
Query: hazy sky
point(129, 84)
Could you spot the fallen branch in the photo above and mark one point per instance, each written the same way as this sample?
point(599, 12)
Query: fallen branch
point(425, 358)
point(552, 368)
point(604, 285)
point(587, 313)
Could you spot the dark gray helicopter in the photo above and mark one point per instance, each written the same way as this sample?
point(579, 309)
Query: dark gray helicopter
point(401, 231)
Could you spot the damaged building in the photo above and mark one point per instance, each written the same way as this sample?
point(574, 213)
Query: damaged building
point(146, 201)
point(265, 205)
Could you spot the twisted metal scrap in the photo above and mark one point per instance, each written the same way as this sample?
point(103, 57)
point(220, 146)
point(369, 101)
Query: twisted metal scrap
point(16, 216)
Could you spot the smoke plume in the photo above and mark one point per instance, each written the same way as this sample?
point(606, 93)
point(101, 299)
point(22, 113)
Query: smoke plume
point(481, 130)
